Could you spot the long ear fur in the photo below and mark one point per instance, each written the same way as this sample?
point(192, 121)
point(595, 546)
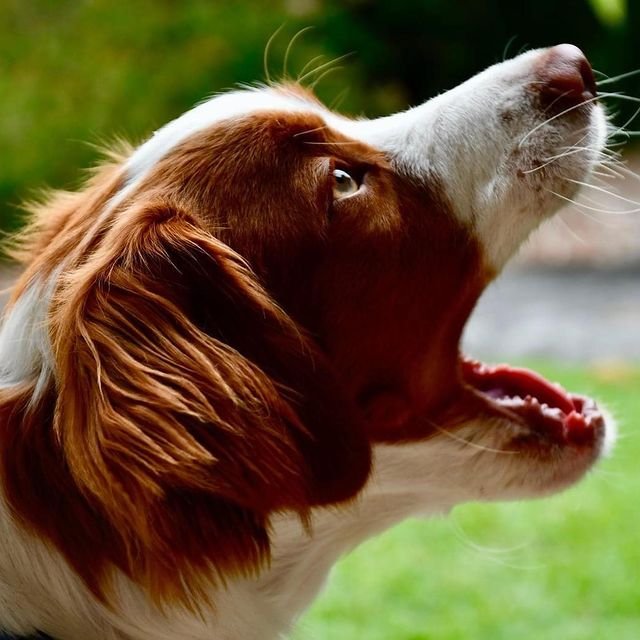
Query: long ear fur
point(188, 407)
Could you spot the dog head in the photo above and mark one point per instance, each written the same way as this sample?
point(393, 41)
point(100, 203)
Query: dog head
point(223, 323)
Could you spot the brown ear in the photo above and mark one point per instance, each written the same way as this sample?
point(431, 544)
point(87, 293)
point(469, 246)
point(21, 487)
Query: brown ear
point(189, 407)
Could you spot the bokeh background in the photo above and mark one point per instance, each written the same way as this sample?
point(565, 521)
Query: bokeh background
point(75, 74)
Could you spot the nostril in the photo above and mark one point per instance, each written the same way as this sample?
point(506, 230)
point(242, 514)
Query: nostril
point(565, 75)
point(587, 77)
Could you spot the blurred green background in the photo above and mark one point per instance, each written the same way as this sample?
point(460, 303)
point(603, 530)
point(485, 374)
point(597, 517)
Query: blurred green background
point(78, 71)
point(86, 71)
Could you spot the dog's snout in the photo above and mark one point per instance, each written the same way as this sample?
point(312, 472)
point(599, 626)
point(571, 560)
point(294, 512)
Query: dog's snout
point(565, 77)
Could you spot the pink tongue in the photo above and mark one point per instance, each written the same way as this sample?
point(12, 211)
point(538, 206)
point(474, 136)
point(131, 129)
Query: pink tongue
point(521, 382)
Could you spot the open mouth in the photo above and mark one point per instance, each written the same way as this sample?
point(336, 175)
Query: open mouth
point(545, 407)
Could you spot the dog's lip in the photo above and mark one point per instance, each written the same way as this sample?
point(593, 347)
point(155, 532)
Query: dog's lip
point(546, 408)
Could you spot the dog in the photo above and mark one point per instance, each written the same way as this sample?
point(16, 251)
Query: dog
point(234, 354)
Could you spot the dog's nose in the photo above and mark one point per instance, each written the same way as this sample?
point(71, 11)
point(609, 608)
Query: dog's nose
point(565, 76)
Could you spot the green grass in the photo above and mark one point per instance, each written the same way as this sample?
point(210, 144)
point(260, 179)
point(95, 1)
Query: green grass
point(563, 568)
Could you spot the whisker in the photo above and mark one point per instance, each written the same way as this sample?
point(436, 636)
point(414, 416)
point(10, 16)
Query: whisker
point(555, 158)
point(603, 190)
point(615, 479)
point(334, 143)
point(309, 65)
point(324, 66)
point(267, 49)
point(562, 95)
point(596, 217)
point(604, 156)
point(285, 62)
point(622, 76)
point(612, 224)
point(609, 171)
point(571, 150)
point(338, 100)
point(620, 143)
point(568, 228)
point(608, 154)
point(558, 115)
point(602, 175)
point(611, 154)
point(510, 41)
point(584, 196)
point(324, 74)
point(622, 129)
point(470, 443)
point(466, 539)
point(596, 209)
point(620, 96)
point(626, 172)
point(304, 133)
point(607, 165)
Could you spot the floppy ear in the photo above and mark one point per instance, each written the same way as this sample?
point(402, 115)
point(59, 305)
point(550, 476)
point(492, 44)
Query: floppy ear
point(189, 407)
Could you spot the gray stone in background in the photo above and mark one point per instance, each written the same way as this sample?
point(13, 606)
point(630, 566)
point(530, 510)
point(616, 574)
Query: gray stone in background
point(573, 315)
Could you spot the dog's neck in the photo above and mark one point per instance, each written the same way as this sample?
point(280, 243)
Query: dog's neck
point(407, 481)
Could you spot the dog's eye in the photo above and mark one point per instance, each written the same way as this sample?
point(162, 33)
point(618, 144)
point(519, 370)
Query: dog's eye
point(343, 184)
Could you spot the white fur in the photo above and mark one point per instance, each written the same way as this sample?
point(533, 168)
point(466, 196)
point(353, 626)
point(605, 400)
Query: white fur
point(457, 139)
point(25, 352)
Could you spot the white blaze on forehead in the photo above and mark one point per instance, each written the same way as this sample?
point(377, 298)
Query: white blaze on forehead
point(388, 134)
point(217, 109)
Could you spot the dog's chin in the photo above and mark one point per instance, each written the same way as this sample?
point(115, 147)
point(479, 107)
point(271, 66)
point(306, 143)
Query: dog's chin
point(550, 436)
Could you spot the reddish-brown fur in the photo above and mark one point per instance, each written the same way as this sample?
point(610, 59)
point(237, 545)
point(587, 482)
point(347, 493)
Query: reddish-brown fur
point(228, 342)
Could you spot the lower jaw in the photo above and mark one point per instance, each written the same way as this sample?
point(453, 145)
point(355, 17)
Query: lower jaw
point(551, 415)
